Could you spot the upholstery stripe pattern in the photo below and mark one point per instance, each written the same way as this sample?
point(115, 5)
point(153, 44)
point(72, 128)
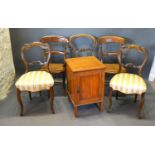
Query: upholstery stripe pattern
point(128, 83)
point(35, 81)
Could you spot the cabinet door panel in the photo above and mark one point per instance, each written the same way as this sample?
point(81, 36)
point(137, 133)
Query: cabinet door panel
point(90, 87)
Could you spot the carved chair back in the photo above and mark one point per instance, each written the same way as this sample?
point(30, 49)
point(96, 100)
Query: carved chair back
point(60, 41)
point(142, 56)
point(90, 45)
point(109, 41)
point(42, 47)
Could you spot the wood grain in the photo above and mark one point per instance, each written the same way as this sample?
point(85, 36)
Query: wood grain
point(84, 64)
point(85, 81)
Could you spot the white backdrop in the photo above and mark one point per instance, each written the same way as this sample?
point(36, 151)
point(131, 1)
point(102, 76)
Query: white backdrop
point(152, 72)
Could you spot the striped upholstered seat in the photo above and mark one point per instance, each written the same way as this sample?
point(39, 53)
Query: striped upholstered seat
point(35, 81)
point(128, 83)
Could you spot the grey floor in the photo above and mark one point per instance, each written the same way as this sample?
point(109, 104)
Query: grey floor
point(37, 111)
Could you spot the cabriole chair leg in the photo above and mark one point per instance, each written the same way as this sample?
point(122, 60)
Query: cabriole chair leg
point(141, 106)
point(20, 101)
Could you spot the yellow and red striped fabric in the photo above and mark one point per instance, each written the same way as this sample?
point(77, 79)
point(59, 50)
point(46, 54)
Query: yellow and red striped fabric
point(35, 81)
point(128, 83)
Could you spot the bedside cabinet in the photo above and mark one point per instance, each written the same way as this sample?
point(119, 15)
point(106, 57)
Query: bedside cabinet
point(85, 81)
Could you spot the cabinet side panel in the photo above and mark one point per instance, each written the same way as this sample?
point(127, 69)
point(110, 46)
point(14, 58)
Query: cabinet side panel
point(72, 85)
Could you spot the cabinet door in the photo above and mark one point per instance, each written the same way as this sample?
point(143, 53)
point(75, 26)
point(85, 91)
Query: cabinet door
point(90, 87)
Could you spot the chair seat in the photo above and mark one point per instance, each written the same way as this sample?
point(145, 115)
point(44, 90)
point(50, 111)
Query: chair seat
point(54, 68)
point(113, 68)
point(35, 81)
point(128, 83)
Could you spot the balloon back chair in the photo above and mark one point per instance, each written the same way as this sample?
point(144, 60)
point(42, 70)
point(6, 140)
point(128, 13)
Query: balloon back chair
point(130, 83)
point(58, 50)
point(35, 81)
point(109, 47)
point(82, 45)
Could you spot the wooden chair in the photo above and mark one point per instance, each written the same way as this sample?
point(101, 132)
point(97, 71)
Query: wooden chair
point(129, 83)
point(111, 68)
point(57, 67)
point(89, 44)
point(35, 81)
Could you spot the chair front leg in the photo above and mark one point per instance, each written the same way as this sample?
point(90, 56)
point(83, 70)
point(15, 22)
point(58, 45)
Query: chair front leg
point(52, 99)
point(20, 101)
point(110, 100)
point(141, 105)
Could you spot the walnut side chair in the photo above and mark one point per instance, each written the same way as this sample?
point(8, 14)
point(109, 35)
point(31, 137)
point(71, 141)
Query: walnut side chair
point(57, 67)
point(130, 83)
point(35, 81)
point(89, 45)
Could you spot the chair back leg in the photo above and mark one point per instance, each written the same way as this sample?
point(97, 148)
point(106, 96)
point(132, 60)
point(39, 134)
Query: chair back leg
point(110, 100)
point(63, 80)
point(116, 95)
point(30, 96)
point(52, 99)
point(135, 99)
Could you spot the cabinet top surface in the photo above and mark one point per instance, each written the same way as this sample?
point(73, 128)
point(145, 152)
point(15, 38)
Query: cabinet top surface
point(84, 63)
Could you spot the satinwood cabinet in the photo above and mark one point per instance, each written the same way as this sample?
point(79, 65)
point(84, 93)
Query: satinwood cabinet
point(85, 81)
